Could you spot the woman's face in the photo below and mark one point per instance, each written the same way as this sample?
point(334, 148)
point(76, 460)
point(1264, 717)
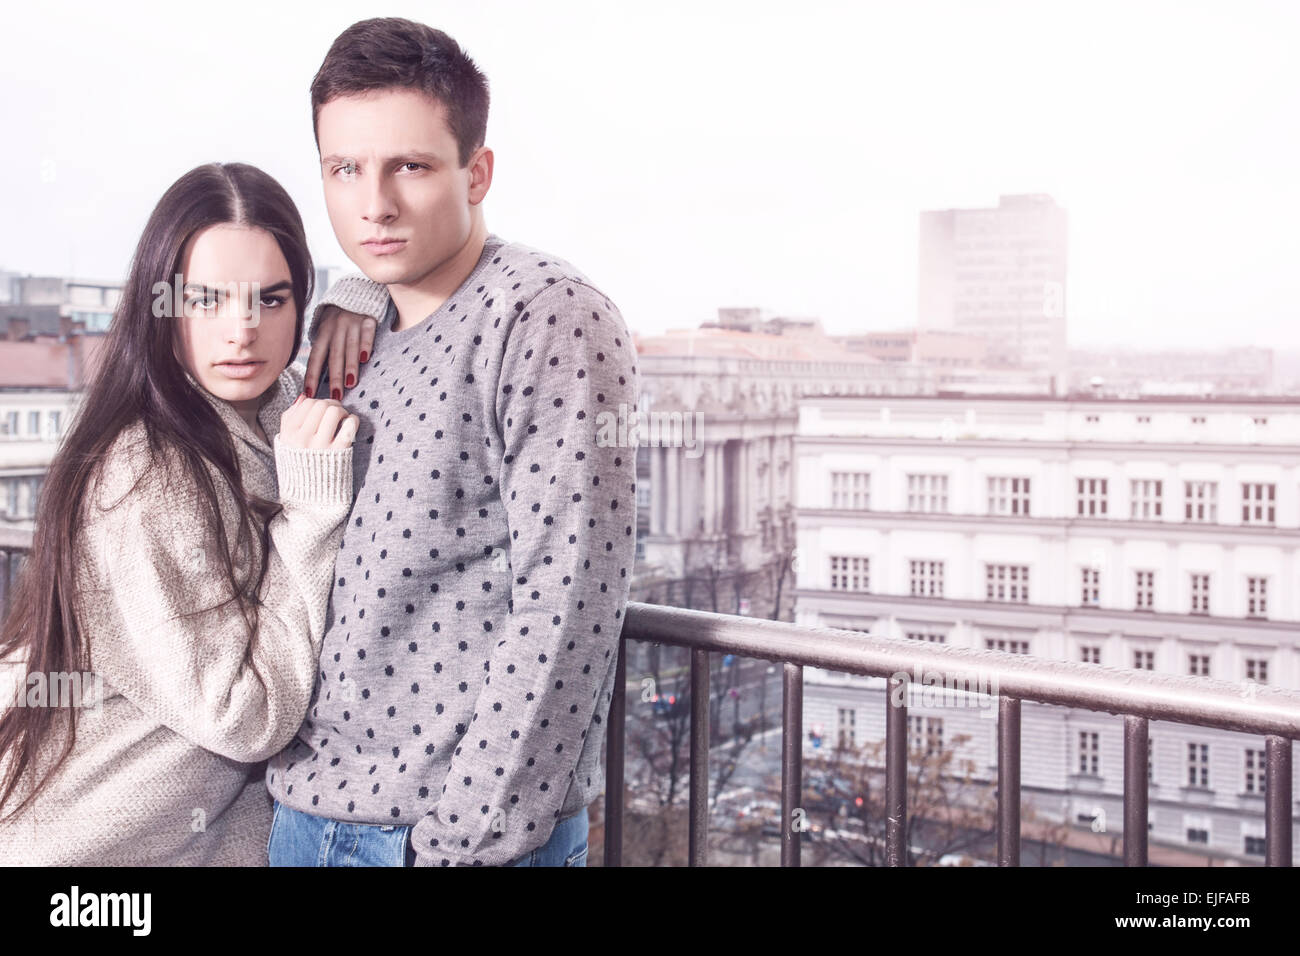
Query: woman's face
point(235, 331)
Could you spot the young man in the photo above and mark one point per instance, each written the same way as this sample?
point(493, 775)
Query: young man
point(469, 655)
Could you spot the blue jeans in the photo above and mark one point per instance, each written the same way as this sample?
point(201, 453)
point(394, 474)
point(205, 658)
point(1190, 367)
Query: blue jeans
point(302, 839)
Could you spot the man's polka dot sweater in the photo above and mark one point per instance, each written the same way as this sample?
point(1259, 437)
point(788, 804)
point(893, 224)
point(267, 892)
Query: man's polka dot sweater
point(468, 661)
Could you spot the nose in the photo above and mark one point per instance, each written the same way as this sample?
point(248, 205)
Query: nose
point(243, 316)
point(380, 205)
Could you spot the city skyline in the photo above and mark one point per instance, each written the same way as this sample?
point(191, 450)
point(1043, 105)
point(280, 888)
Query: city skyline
point(729, 182)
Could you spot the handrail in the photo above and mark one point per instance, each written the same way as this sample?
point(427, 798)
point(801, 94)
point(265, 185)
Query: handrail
point(1140, 696)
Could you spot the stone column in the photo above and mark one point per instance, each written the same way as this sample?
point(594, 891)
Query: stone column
point(657, 501)
point(673, 497)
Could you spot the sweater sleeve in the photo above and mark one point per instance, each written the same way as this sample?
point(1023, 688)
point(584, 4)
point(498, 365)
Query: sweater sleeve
point(351, 293)
point(568, 488)
point(157, 633)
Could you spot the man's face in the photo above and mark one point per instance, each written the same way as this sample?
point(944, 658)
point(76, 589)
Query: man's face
point(390, 167)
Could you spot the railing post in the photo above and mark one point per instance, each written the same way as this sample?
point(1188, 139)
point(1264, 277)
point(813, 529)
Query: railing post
point(791, 761)
point(699, 826)
point(896, 771)
point(1008, 781)
point(1277, 801)
point(615, 744)
point(1136, 783)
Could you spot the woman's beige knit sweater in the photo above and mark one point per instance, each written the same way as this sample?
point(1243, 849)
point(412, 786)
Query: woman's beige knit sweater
point(167, 765)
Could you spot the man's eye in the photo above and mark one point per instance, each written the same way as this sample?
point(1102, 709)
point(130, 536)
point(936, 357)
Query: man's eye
point(347, 169)
point(416, 165)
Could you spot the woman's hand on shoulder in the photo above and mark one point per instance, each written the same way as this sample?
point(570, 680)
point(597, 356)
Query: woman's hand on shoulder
point(343, 339)
point(319, 423)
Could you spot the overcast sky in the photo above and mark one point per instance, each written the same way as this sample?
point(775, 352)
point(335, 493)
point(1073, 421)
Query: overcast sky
point(694, 155)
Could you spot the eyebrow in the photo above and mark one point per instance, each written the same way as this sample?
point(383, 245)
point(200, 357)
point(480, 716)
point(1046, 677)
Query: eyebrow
point(409, 155)
point(221, 289)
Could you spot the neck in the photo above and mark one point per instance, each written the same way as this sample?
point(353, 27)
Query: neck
point(247, 410)
point(418, 301)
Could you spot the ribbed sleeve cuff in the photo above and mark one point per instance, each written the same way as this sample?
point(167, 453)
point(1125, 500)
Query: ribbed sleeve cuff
point(352, 293)
point(314, 475)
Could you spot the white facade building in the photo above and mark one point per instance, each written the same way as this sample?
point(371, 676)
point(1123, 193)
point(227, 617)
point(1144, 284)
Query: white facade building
point(1157, 534)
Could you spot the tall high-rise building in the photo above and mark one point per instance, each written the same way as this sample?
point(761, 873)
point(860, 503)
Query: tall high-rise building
point(999, 273)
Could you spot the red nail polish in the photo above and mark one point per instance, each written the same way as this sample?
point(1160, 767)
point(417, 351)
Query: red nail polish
point(351, 380)
point(364, 356)
point(307, 390)
point(335, 394)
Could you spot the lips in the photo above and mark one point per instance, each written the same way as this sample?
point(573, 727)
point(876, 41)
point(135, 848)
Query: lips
point(239, 369)
point(383, 247)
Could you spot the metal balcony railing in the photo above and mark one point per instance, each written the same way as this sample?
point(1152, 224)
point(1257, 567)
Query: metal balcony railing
point(1137, 696)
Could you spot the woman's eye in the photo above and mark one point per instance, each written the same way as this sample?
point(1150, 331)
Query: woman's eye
point(203, 302)
point(272, 301)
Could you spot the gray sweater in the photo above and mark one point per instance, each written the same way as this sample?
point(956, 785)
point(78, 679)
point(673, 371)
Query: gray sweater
point(472, 634)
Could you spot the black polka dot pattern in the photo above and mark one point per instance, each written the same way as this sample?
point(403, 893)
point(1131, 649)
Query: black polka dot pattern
point(468, 662)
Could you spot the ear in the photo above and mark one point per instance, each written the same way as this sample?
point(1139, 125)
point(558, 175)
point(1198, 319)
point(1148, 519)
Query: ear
point(480, 174)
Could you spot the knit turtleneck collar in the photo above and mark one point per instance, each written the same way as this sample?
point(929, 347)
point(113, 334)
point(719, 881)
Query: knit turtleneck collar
point(277, 398)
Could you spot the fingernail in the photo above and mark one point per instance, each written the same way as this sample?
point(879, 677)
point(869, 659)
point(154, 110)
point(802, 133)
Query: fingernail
point(307, 390)
point(364, 356)
point(351, 380)
point(336, 393)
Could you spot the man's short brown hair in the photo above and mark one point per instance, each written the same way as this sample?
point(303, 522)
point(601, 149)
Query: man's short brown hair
point(387, 53)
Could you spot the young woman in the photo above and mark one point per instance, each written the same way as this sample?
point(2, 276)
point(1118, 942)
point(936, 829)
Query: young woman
point(183, 554)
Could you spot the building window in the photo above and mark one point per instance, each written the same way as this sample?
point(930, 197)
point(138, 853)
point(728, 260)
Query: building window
point(1092, 419)
point(1145, 597)
point(1007, 582)
point(1198, 765)
point(1151, 760)
point(1091, 494)
point(933, 637)
point(1257, 597)
point(851, 489)
point(1257, 670)
point(55, 421)
point(849, 573)
point(927, 578)
point(1259, 420)
point(1008, 496)
point(926, 734)
point(1091, 587)
point(1257, 503)
point(1201, 499)
point(1256, 772)
point(847, 737)
point(1198, 834)
point(928, 493)
point(1200, 594)
point(1144, 660)
point(1198, 665)
point(34, 424)
point(1198, 419)
point(1255, 845)
point(1089, 752)
point(11, 423)
point(1147, 494)
point(1144, 419)
point(1090, 654)
point(1006, 644)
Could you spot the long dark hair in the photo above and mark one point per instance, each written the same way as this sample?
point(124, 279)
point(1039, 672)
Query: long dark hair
point(138, 377)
